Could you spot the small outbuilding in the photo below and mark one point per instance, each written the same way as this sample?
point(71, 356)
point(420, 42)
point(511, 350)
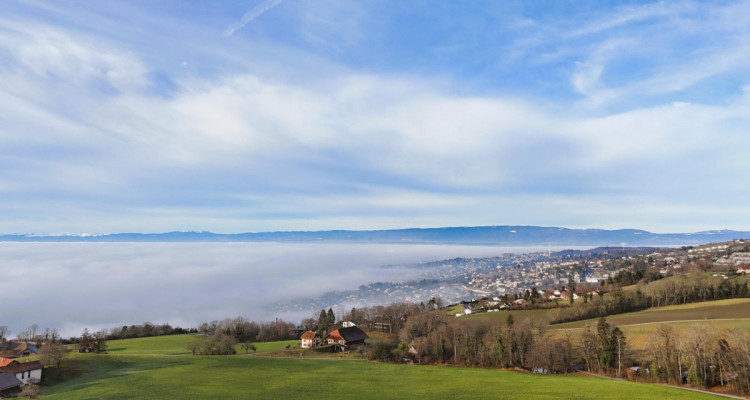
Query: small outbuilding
point(9, 384)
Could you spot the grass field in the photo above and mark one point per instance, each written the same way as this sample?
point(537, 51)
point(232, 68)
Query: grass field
point(173, 345)
point(116, 376)
point(164, 345)
point(719, 309)
point(731, 313)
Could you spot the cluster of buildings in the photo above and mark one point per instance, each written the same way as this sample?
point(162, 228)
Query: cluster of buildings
point(343, 339)
point(14, 373)
point(463, 278)
point(741, 260)
point(502, 303)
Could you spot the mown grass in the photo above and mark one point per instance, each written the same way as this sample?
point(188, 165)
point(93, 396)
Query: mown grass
point(238, 377)
point(174, 345)
point(164, 345)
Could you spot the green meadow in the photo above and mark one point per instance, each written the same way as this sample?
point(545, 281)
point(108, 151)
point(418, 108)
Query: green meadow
point(161, 367)
point(241, 377)
point(157, 368)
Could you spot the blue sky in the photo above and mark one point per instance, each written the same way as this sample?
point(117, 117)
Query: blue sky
point(294, 114)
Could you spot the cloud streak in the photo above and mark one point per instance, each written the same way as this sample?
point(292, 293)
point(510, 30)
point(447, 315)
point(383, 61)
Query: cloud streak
point(250, 15)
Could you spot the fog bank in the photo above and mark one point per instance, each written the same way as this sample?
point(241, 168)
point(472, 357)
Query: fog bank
point(69, 286)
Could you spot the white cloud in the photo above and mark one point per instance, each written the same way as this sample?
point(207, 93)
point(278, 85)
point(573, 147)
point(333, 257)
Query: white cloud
point(344, 147)
point(251, 15)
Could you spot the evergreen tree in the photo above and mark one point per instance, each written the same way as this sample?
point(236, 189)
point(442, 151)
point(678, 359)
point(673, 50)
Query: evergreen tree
point(323, 322)
point(330, 318)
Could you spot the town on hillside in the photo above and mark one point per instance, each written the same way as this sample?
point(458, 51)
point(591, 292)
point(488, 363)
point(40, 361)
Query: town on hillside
point(546, 276)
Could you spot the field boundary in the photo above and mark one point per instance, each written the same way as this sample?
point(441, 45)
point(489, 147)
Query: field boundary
point(662, 322)
point(303, 358)
point(730, 396)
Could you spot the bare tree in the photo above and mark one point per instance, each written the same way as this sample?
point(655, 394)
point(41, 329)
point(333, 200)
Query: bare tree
point(51, 354)
point(248, 346)
point(193, 346)
point(4, 332)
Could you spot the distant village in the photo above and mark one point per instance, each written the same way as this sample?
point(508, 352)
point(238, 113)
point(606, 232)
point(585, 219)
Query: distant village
point(551, 275)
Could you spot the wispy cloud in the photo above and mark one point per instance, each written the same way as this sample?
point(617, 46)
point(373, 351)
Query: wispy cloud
point(88, 145)
point(251, 15)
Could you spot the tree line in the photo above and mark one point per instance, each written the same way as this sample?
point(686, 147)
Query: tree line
point(146, 329)
point(389, 319)
point(700, 355)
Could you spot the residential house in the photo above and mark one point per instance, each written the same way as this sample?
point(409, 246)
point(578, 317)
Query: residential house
point(347, 337)
point(309, 339)
point(27, 373)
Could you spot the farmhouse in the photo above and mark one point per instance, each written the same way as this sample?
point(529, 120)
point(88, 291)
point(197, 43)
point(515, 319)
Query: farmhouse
point(309, 339)
point(27, 373)
point(347, 337)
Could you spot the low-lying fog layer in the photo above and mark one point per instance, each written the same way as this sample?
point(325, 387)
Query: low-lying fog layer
point(69, 286)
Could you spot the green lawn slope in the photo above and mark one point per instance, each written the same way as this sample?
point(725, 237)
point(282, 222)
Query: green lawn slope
point(241, 377)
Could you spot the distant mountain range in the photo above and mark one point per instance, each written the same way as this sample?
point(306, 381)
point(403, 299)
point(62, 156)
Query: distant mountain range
point(502, 235)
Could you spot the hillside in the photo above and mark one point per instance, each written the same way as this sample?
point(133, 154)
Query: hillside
point(141, 375)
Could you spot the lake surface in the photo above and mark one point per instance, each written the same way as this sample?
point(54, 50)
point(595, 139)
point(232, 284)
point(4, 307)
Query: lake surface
point(72, 286)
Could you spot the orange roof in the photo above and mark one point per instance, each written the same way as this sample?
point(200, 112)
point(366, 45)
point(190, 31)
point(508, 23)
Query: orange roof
point(309, 335)
point(5, 361)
